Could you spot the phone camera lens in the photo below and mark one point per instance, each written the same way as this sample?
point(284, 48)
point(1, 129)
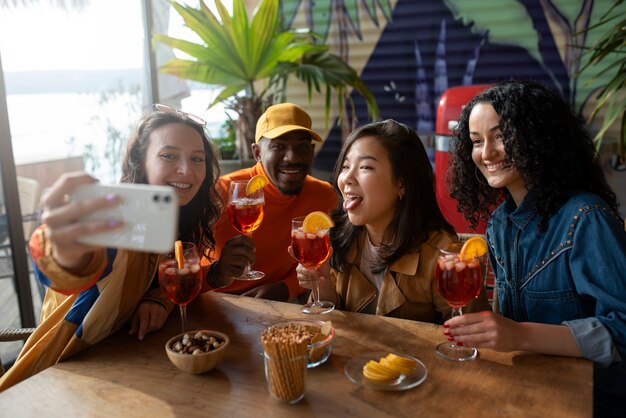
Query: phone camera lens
point(156, 198)
point(166, 199)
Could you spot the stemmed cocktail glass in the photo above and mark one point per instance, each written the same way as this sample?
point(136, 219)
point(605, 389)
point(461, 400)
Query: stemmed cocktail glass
point(311, 250)
point(458, 281)
point(246, 214)
point(181, 283)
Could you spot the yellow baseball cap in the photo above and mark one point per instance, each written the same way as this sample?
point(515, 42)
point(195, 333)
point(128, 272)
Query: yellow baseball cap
point(282, 118)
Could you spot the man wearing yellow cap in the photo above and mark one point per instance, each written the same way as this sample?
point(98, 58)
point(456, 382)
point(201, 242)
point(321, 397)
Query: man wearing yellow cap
point(283, 150)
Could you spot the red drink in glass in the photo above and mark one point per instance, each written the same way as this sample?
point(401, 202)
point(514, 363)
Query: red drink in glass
point(180, 286)
point(245, 210)
point(245, 216)
point(311, 250)
point(458, 282)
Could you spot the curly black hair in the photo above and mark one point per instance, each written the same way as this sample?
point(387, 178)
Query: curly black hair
point(543, 140)
point(196, 219)
point(417, 213)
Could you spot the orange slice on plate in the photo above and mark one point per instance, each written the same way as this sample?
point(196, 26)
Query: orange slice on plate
point(316, 221)
point(256, 183)
point(178, 253)
point(473, 247)
point(401, 361)
point(374, 370)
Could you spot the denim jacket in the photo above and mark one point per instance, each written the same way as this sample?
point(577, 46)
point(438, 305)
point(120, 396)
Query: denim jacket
point(572, 273)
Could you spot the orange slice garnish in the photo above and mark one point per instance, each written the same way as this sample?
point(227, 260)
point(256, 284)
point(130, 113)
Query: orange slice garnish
point(401, 361)
point(256, 183)
point(316, 221)
point(376, 371)
point(178, 253)
point(473, 247)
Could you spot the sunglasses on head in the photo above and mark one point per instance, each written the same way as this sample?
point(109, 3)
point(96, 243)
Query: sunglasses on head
point(168, 109)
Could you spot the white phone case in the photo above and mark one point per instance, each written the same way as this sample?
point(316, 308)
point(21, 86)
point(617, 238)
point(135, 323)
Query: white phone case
point(150, 215)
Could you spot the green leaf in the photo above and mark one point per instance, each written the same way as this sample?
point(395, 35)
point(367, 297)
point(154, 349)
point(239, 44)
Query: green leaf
point(193, 70)
point(352, 10)
point(370, 7)
point(227, 93)
point(385, 5)
point(486, 15)
point(320, 16)
point(262, 34)
point(288, 11)
point(190, 48)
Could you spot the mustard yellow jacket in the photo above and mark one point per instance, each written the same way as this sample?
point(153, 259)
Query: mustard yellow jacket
point(408, 289)
point(81, 309)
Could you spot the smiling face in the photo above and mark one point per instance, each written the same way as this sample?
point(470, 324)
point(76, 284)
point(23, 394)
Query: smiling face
point(369, 189)
point(175, 157)
point(488, 152)
point(287, 159)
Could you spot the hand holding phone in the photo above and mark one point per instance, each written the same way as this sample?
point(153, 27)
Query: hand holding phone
point(149, 214)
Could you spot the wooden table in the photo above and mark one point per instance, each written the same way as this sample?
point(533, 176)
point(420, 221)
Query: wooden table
point(122, 377)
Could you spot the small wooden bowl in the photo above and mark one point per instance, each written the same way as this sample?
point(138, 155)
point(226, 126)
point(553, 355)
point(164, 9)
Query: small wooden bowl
point(197, 363)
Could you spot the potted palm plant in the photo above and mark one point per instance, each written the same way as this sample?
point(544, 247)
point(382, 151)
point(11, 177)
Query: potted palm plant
point(251, 61)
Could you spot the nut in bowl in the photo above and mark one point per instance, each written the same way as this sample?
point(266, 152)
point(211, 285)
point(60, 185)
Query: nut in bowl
point(320, 335)
point(197, 351)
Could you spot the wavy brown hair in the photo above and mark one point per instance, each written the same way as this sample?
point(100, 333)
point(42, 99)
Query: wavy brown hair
point(545, 142)
point(417, 213)
point(196, 219)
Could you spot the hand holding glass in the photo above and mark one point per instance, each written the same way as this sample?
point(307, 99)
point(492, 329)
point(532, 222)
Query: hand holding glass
point(181, 285)
point(458, 282)
point(246, 214)
point(311, 250)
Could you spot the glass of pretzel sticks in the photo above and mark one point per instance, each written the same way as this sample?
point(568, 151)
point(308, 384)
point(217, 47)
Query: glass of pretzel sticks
point(285, 358)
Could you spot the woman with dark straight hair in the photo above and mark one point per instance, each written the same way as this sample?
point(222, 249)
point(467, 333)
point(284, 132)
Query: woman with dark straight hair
point(387, 229)
point(557, 244)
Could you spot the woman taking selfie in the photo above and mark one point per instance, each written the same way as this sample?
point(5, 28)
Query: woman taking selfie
point(93, 292)
point(557, 244)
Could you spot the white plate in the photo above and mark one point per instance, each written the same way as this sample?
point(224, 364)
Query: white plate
point(354, 372)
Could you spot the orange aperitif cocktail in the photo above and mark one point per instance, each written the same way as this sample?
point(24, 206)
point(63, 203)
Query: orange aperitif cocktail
point(180, 276)
point(311, 250)
point(459, 279)
point(310, 245)
point(245, 207)
point(246, 215)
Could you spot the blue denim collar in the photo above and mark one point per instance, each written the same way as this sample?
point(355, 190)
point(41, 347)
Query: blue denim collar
point(522, 215)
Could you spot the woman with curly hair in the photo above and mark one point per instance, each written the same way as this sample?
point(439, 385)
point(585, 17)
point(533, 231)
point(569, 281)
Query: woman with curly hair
point(556, 242)
point(93, 292)
point(387, 229)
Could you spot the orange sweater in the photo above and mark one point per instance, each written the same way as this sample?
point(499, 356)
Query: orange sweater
point(274, 235)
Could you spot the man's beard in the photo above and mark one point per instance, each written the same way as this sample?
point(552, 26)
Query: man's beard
point(289, 192)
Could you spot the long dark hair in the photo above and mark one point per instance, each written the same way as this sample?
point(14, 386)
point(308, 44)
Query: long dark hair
point(417, 213)
point(543, 140)
point(196, 219)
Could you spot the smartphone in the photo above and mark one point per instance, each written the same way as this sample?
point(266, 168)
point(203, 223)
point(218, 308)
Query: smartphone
point(149, 213)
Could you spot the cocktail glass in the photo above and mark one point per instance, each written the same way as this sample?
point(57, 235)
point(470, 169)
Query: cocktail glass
point(311, 250)
point(458, 282)
point(246, 214)
point(181, 285)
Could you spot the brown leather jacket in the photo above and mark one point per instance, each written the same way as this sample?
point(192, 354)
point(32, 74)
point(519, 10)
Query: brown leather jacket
point(408, 290)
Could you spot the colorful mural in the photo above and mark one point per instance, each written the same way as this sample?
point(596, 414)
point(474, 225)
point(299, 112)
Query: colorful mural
point(426, 46)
